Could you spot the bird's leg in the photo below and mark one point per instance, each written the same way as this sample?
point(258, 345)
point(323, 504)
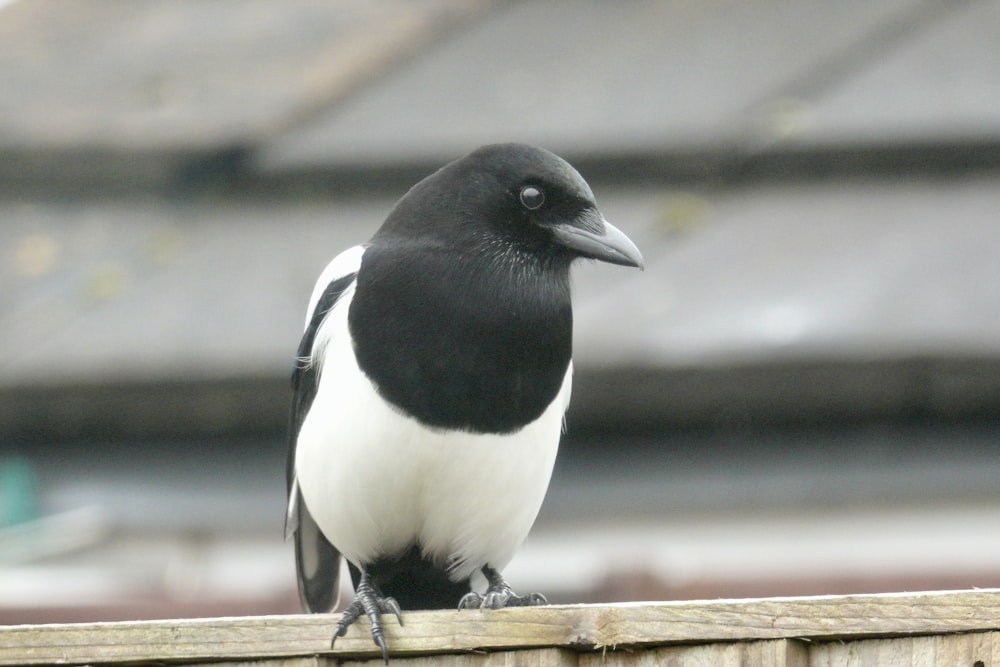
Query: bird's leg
point(499, 594)
point(368, 599)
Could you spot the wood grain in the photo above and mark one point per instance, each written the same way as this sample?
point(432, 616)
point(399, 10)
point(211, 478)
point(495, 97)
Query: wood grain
point(566, 630)
point(980, 649)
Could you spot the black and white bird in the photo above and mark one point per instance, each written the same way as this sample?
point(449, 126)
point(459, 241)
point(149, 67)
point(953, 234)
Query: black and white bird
point(431, 384)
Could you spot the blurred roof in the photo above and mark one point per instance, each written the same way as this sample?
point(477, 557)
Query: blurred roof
point(807, 181)
point(814, 187)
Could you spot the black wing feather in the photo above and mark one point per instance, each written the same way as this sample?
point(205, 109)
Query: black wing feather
point(317, 562)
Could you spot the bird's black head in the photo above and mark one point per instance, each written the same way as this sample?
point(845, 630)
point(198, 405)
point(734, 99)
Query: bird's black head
point(511, 202)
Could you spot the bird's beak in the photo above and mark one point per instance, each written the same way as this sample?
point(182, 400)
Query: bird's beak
point(599, 240)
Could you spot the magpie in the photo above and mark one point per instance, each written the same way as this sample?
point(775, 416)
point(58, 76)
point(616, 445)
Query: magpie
point(431, 383)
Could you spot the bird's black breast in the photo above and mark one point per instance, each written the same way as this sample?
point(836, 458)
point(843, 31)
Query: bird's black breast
point(462, 343)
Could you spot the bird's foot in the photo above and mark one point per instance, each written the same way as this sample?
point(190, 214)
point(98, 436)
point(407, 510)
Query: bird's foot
point(499, 594)
point(368, 600)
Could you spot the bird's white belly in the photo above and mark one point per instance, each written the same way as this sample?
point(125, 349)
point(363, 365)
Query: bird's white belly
point(377, 481)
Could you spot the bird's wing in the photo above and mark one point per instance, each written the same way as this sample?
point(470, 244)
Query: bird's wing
point(317, 562)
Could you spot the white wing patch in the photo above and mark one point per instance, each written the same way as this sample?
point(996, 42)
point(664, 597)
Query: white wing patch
point(345, 263)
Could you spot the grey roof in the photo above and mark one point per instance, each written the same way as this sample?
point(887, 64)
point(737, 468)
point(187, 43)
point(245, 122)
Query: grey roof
point(814, 186)
point(178, 173)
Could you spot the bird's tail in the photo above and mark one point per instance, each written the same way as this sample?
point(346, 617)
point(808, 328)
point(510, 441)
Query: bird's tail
point(317, 564)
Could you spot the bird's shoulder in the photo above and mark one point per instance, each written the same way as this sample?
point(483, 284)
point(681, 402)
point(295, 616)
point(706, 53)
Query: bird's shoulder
point(344, 265)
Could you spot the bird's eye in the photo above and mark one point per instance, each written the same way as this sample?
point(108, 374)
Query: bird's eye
point(532, 197)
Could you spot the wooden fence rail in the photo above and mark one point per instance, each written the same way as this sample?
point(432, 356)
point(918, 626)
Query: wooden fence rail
point(955, 629)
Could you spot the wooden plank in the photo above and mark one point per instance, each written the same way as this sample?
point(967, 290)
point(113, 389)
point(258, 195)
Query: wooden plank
point(578, 627)
point(980, 649)
point(546, 657)
point(311, 661)
point(770, 653)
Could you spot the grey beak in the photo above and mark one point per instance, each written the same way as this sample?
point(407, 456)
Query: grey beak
point(608, 245)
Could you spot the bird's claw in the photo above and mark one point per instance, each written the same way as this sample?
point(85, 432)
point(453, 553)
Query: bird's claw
point(368, 600)
point(498, 595)
point(471, 600)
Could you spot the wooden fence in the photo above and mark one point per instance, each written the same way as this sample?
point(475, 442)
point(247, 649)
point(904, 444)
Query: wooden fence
point(953, 629)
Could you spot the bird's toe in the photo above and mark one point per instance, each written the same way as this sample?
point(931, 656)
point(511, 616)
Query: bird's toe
point(390, 606)
point(499, 594)
point(529, 600)
point(471, 600)
point(370, 601)
point(508, 598)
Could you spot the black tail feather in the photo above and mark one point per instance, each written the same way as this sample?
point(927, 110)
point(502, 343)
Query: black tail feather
point(317, 564)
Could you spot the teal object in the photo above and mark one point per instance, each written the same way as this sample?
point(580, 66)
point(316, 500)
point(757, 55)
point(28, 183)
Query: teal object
point(18, 491)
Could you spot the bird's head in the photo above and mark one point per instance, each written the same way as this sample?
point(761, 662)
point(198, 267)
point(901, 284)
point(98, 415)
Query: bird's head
point(515, 199)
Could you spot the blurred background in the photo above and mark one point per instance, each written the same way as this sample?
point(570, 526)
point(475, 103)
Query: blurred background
point(800, 395)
